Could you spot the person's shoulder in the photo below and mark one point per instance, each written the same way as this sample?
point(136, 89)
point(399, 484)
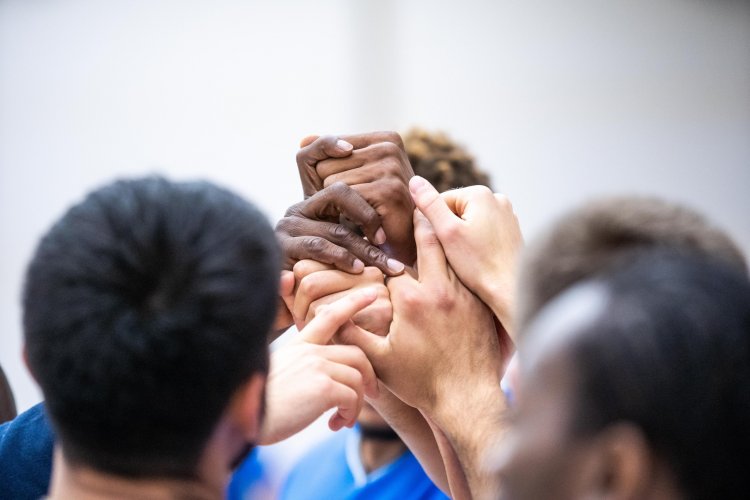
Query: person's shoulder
point(26, 444)
point(29, 427)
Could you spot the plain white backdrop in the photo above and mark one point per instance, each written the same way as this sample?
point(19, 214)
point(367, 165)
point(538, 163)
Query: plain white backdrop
point(560, 101)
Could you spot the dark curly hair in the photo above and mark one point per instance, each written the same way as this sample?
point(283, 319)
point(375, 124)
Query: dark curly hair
point(444, 163)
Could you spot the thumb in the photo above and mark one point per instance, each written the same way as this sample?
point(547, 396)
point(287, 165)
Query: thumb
point(370, 343)
point(429, 202)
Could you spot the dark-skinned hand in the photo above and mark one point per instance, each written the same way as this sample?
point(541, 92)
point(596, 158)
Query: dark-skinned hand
point(377, 167)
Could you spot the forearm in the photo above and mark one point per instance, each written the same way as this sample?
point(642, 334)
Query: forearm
point(416, 433)
point(473, 435)
point(459, 486)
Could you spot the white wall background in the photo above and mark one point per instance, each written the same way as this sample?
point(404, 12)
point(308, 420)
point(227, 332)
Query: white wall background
point(559, 100)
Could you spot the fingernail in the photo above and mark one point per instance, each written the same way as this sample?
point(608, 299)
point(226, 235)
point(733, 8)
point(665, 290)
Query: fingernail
point(358, 266)
point(395, 265)
point(343, 145)
point(417, 183)
point(379, 236)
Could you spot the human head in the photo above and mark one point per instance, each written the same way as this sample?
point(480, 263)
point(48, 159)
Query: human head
point(146, 307)
point(635, 382)
point(443, 162)
point(594, 237)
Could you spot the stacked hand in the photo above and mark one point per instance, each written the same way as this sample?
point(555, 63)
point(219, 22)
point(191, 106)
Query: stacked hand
point(356, 193)
point(309, 376)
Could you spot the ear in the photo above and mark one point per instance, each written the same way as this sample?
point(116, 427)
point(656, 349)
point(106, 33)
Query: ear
point(625, 462)
point(247, 407)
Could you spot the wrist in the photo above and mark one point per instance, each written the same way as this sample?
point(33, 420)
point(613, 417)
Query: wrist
point(499, 295)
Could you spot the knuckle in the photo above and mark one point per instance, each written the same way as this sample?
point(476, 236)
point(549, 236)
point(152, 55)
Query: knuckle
point(314, 245)
point(410, 297)
point(374, 254)
point(372, 274)
point(339, 189)
point(303, 268)
point(339, 232)
point(294, 209)
point(389, 149)
point(444, 299)
point(317, 364)
point(395, 138)
point(308, 287)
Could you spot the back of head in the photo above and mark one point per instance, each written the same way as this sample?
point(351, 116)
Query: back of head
point(146, 306)
point(444, 163)
point(670, 353)
point(593, 238)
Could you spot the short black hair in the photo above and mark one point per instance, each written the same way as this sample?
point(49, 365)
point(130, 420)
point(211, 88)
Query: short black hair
point(670, 353)
point(145, 307)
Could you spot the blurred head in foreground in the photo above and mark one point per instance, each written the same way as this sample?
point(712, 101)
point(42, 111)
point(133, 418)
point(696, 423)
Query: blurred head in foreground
point(591, 239)
point(636, 384)
point(146, 309)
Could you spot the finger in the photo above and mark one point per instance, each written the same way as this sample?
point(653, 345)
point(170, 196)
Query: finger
point(374, 346)
point(341, 199)
point(360, 141)
point(321, 250)
point(431, 261)
point(462, 202)
point(327, 146)
point(318, 285)
point(347, 401)
point(286, 283)
point(432, 205)
point(375, 158)
point(306, 267)
point(350, 377)
point(351, 253)
point(284, 318)
point(346, 413)
point(306, 141)
point(321, 329)
point(354, 357)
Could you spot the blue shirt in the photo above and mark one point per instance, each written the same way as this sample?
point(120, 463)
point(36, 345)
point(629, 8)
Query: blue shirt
point(26, 444)
point(333, 470)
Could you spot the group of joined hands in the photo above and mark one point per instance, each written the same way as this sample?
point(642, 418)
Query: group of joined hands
point(403, 296)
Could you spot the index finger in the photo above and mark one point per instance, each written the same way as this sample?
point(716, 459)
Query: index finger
point(335, 315)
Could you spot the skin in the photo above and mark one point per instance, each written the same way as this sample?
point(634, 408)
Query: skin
point(426, 362)
point(475, 222)
point(319, 284)
point(311, 375)
point(468, 222)
point(376, 166)
point(540, 457)
point(311, 229)
point(242, 420)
